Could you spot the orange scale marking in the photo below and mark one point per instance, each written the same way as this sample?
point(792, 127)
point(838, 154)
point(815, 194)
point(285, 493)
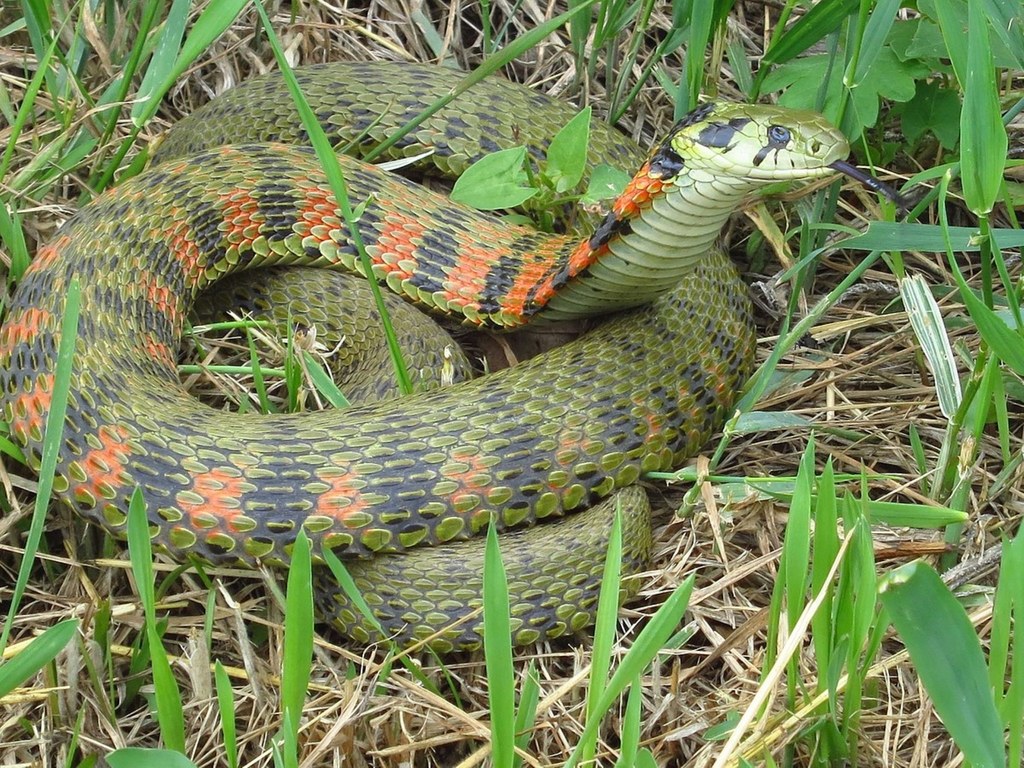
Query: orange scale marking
point(475, 480)
point(185, 250)
point(242, 215)
point(48, 254)
point(317, 210)
point(344, 498)
point(221, 491)
point(469, 278)
point(24, 327)
point(28, 409)
point(399, 240)
point(159, 351)
point(105, 466)
point(638, 193)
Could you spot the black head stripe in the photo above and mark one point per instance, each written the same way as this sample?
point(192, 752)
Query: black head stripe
point(700, 113)
point(612, 225)
point(717, 135)
point(762, 153)
point(665, 162)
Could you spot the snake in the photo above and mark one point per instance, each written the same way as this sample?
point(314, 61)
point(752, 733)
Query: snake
point(548, 451)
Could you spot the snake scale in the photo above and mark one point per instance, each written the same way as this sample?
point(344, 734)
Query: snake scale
point(377, 482)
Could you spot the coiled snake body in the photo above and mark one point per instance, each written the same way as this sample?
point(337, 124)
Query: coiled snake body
point(556, 434)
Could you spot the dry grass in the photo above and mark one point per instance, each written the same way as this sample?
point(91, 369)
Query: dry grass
point(865, 384)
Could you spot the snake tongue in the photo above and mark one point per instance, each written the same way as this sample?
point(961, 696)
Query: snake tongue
point(870, 182)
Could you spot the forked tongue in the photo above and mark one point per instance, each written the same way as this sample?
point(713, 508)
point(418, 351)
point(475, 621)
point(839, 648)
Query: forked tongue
point(870, 182)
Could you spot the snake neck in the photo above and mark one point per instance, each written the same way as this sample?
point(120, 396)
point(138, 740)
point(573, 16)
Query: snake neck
point(658, 230)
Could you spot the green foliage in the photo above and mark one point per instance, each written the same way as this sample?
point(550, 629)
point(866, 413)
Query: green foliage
point(498, 654)
point(504, 180)
point(169, 711)
point(35, 655)
point(949, 659)
point(135, 757)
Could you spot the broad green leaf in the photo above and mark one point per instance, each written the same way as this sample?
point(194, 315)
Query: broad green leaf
point(606, 183)
point(934, 109)
point(887, 77)
point(947, 654)
point(567, 153)
point(494, 181)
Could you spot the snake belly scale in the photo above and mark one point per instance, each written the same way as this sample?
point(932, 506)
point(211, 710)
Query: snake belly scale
point(378, 483)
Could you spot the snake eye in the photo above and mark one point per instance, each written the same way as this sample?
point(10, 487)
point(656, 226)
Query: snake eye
point(778, 134)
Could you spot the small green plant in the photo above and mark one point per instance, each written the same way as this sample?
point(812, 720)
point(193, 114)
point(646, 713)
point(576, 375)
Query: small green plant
point(505, 179)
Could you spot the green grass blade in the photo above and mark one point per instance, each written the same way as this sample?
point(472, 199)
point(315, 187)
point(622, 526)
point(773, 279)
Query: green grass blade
point(948, 657)
point(298, 633)
point(647, 645)
point(226, 706)
point(1005, 342)
point(1006, 660)
point(210, 25)
point(13, 236)
point(498, 654)
point(876, 31)
point(323, 382)
point(526, 712)
point(36, 655)
point(887, 235)
point(490, 65)
point(165, 56)
point(821, 20)
point(629, 745)
point(926, 320)
point(53, 435)
point(136, 757)
point(169, 710)
point(604, 630)
point(329, 163)
point(983, 139)
point(824, 553)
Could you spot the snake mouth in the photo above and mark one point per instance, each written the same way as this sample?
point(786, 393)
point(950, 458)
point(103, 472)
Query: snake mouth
point(869, 181)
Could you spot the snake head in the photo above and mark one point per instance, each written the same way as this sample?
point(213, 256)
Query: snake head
point(753, 142)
